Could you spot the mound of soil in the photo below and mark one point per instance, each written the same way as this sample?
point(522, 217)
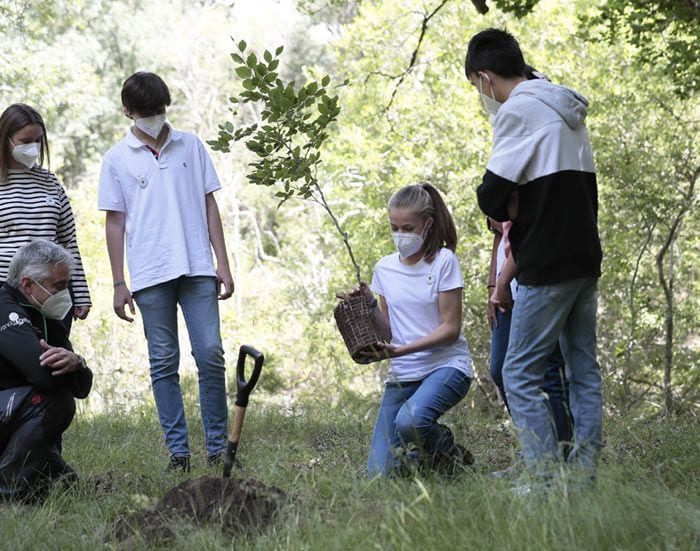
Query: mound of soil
point(229, 504)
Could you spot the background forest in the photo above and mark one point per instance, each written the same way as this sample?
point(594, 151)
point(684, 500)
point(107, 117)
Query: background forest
point(408, 114)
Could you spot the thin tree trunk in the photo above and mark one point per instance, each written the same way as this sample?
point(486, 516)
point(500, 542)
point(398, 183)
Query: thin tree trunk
point(667, 286)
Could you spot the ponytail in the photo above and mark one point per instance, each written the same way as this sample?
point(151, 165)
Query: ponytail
point(443, 233)
point(427, 202)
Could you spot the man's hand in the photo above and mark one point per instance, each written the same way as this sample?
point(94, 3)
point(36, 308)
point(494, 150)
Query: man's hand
point(122, 298)
point(60, 360)
point(225, 279)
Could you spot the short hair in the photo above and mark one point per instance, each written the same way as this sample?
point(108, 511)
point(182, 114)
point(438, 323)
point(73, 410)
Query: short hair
point(34, 260)
point(13, 119)
point(145, 93)
point(496, 51)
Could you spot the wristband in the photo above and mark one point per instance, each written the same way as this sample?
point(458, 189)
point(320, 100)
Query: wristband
point(489, 286)
point(119, 283)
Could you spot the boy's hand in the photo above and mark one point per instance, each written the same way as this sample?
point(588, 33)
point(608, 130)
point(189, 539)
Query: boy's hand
point(224, 277)
point(122, 297)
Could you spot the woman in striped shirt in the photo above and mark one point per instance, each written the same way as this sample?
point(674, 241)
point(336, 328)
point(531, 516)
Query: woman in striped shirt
point(33, 205)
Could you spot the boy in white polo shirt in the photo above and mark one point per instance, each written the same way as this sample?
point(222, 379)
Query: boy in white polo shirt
point(157, 187)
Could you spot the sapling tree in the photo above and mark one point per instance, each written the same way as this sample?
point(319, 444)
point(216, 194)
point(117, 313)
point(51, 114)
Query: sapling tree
point(292, 128)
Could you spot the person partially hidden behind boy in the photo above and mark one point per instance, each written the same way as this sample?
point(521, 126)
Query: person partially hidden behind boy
point(40, 374)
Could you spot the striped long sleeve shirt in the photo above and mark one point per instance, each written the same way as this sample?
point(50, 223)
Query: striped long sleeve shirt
point(33, 205)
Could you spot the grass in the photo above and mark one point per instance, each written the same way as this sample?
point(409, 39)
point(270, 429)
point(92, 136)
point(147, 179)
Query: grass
point(646, 498)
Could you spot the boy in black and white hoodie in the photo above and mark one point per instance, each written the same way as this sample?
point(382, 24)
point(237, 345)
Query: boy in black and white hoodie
point(541, 176)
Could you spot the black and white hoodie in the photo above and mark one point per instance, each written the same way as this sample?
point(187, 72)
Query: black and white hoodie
point(541, 150)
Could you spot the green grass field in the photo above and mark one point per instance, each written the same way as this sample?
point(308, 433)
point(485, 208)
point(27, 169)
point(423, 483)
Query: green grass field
point(647, 496)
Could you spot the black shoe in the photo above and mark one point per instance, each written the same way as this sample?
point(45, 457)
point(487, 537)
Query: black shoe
point(453, 462)
point(215, 460)
point(179, 463)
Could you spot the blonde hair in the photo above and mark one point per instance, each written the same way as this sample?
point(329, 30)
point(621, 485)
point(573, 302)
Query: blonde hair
point(426, 201)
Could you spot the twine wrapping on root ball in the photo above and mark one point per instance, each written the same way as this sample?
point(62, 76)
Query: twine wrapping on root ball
point(356, 323)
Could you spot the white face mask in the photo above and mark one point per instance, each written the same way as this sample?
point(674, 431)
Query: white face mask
point(409, 243)
point(489, 103)
point(151, 125)
point(57, 306)
point(26, 153)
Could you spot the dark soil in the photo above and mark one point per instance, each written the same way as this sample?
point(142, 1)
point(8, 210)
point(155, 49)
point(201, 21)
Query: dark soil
point(229, 504)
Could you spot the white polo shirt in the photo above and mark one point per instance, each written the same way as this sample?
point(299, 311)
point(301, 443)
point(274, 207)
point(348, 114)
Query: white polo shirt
point(411, 294)
point(167, 235)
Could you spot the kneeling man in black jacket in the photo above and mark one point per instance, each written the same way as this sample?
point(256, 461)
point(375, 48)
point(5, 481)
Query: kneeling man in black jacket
point(40, 375)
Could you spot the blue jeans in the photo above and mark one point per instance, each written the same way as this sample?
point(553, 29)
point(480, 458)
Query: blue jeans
point(408, 414)
point(542, 315)
point(197, 298)
point(555, 386)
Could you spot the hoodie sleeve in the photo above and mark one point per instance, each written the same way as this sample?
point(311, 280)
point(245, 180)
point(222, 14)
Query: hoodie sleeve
point(513, 147)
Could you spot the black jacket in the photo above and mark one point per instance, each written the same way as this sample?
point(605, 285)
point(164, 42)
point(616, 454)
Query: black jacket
point(21, 328)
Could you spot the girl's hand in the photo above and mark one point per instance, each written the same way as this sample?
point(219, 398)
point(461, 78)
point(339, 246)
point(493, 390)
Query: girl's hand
point(381, 351)
point(81, 312)
point(491, 313)
point(389, 350)
point(362, 289)
point(501, 297)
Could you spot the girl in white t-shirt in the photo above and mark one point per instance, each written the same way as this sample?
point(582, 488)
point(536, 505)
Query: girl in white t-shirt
point(419, 311)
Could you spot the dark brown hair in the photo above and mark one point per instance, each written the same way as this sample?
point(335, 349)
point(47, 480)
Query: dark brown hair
point(426, 201)
point(494, 50)
point(145, 93)
point(14, 118)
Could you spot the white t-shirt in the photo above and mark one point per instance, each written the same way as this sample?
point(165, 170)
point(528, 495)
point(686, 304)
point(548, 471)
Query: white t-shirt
point(500, 261)
point(411, 294)
point(167, 235)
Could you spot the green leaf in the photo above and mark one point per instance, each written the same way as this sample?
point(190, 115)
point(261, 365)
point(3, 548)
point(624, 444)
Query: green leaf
point(325, 80)
point(279, 50)
point(242, 45)
point(243, 72)
point(236, 58)
point(273, 64)
point(248, 84)
point(252, 61)
point(229, 126)
point(268, 56)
